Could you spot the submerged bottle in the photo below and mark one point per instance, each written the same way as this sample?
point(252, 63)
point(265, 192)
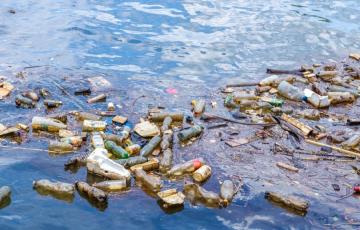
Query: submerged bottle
point(195, 194)
point(55, 187)
point(151, 182)
point(47, 124)
point(60, 147)
point(227, 191)
point(5, 193)
point(91, 192)
point(87, 116)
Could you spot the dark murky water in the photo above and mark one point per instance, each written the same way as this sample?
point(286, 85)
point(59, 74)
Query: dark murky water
point(144, 48)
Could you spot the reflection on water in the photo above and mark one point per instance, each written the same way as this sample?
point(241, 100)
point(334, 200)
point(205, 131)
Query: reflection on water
point(202, 44)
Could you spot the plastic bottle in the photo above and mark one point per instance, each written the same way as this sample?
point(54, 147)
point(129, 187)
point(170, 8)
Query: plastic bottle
point(153, 183)
point(101, 97)
point(227, 191)
point(340, 97)
point(273, 101)
point(187, 167)
point(290, 201)
point(74, 141)
point(316, 100)
point(150, 165)
point(5, 193)
point(133, 149)
point(121, 137)
point(166, 124)
point(171, 197)
point(199, 107)
point(150, 146)
point(336, 88)
point(202, 173)
point(31, 95)
point(24, 102)
point(56, 187)
point(90, 126)
point(60, 147)
point(186, 134)
point(52, 103)
point(47, 124)
point(111, 185)
point(275, 80)
point(97, 140)
point(87, 116)
point(291, 92)
point(166, 141)
point(99, 163)
point(91, 192)
point(195, 194)
point(116, 150)
point(131, 161)
point(159, 117)
point(240, 96)
point(166, 160)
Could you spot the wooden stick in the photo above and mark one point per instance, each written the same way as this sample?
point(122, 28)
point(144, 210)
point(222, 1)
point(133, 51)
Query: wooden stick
point(243, 84)
point(340, 150)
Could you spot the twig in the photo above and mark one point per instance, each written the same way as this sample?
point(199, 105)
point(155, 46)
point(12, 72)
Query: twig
point(207, 116)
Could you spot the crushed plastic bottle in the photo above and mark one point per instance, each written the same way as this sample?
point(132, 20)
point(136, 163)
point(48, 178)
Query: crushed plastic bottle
point(152, 164)
point(199, 107)
point(74, 140)
point(99, 163)
point(171, 197)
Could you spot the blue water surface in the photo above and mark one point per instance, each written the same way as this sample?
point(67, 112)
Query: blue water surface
point(151, 45)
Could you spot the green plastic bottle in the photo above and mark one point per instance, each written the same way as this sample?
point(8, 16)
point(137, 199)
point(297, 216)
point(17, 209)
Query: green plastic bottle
point(116, 150)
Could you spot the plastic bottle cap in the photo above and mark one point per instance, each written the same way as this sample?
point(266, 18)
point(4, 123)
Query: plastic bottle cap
point(197, 164)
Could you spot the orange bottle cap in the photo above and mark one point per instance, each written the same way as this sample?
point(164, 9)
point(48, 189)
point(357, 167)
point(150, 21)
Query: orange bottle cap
point(197, 164)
